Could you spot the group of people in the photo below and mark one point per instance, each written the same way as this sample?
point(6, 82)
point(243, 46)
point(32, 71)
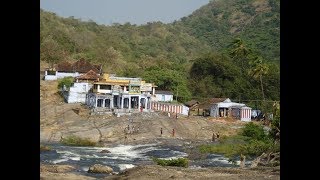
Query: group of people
point(173, 132)
point(130, 129)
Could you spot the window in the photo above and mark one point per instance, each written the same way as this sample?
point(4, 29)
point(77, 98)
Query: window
point(163, 97)
point(105, 87)
point(99, 103)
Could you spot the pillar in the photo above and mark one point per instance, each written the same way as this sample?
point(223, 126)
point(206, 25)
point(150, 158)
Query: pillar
point(111, 102)
point(146, 103)
point(129, 102)
point(122, 101)
point(103, 102)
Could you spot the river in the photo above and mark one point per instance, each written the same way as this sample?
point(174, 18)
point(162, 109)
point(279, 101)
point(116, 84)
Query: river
point(122, 157)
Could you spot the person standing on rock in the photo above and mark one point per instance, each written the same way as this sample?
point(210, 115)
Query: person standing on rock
point(173, 132)
point(161, 131)
point(242, 161)
point(213, 137)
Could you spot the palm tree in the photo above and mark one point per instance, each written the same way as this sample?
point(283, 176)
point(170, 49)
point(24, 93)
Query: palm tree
point(240, 51)
point(258, 69)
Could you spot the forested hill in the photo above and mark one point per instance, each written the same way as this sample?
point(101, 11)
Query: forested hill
point(196, 57)
point(127, 48)
point(255, 21)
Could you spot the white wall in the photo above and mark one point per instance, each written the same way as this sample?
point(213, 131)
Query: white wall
point(166, 97)
point(104, 91)
point(185, 110)
point(80, 87)
point(78, 92)
point(50, 77)
point(63, 74)
point(245, 114)
point(75, 97)
point(60, 75)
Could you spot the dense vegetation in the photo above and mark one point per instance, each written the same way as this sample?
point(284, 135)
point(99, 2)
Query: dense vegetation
point(77, 141)
point(65, 82)
point(227, 48)
point(252, 140)
point(180, 162)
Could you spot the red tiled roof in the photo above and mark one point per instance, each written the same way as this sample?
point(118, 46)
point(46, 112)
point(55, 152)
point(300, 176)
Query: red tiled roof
point(81, 66)
point(64, 67)
point(90, 75)
point(191, 103)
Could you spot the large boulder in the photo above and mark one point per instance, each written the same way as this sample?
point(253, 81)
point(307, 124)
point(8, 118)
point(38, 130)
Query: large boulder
point(56, 168)
point(105, 151)
point(98, 168)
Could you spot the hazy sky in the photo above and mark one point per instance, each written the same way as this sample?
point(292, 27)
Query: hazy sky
point(122, 11)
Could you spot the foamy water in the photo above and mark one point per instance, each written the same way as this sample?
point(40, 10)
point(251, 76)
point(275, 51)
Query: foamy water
point(122, 157)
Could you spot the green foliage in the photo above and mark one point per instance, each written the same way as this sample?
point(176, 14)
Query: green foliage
point(219, 22)
point(216, 75)
point(167, 79)
point(251, 141)
point(275, 123)
point(253, 131)
point(256, 147)
point(227, 149)
point(77, 141)
point(50, 51)
point(66, 81)
point(180, 162)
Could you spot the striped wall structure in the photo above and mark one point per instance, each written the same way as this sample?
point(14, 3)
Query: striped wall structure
point(172, 108)
point(245, 114)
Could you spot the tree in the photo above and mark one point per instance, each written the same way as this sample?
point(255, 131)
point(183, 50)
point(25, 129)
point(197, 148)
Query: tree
point(111, 60)
point(240, 52)
point(257, 70)
point(50, 51)
point(167, 79)
point(275, 124)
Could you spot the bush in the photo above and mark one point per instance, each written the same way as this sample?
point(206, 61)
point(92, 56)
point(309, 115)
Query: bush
point(77, 141)
point(228, 146)
point(180, 162)
point(254, 148)
point(253, 131)
point(66, 81)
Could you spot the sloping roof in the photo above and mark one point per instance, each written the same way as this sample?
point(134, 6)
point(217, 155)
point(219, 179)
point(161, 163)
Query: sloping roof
point(90, 75)
point(64, 67)
point(81, 66)
point(207, 104)
point(191, 103)
point(163, 92)
point(217, 100)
